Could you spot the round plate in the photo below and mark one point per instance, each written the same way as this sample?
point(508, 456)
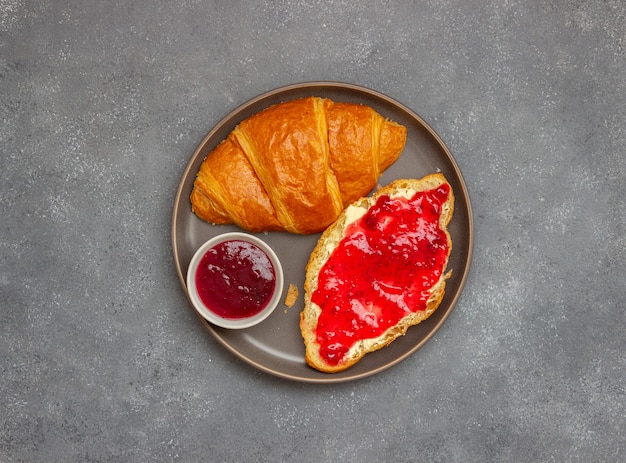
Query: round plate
point(275, 346)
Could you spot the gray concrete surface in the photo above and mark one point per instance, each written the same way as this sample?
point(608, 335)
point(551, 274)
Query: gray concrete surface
point(101, 106)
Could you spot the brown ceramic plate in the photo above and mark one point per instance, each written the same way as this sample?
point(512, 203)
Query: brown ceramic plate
point(275, 346)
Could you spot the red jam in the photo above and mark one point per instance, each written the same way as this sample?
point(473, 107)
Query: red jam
point(381, 271)
point(235, 279)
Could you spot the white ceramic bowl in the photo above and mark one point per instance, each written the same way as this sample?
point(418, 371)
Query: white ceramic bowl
point(234, 323)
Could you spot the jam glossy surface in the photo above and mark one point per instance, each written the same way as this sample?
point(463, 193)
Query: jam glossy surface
point(382, 270)
point(235, 279)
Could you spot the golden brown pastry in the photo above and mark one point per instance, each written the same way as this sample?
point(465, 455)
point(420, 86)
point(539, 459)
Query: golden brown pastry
point(294, 166)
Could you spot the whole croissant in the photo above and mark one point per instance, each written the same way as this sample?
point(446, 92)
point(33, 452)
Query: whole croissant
point(295, 165)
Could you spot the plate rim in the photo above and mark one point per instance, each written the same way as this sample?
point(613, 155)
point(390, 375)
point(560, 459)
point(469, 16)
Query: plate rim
point(303, 86)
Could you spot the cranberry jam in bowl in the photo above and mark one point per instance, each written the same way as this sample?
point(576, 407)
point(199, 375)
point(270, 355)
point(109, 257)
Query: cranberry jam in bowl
point(235, 280)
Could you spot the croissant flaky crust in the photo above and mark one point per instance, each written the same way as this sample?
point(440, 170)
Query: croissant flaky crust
point(295, 165)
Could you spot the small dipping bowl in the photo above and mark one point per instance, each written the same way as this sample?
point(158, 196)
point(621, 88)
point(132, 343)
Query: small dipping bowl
point(228, 280)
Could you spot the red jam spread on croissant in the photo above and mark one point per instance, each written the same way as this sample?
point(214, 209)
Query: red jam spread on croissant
point(382, 270)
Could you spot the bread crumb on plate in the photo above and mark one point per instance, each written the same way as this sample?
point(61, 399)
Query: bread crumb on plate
point(292, 295)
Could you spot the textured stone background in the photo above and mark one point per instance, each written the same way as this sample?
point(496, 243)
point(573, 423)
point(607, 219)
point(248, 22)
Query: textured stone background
point(101, 106)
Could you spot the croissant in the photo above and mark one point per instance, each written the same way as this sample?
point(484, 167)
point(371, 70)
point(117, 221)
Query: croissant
point(295, 165)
